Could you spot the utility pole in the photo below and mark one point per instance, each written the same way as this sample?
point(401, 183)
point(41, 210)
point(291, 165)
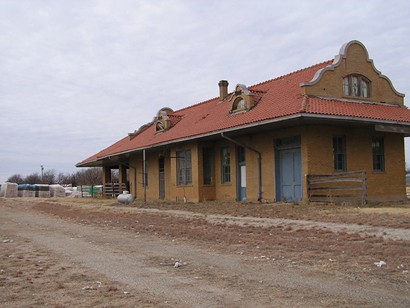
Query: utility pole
point(42, 174)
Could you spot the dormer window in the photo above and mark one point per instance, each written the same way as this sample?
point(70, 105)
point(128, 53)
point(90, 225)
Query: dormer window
point(160, 126)
point(239, 104)
point(356, 85)
point(242, 99)
point(162, 120)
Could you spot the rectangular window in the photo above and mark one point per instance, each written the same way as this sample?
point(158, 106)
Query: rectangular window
point(207, 165)
point(226, 165)
point(378, 154)
point(241, 155)
point(339, 153)
point(184, 168)
point(161, 164)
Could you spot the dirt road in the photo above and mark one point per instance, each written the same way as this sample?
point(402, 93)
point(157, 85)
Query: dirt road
point(78, 258)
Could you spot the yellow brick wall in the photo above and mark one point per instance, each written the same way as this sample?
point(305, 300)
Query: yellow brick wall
point(152, 189)
point(390, 184)
point(387, 185)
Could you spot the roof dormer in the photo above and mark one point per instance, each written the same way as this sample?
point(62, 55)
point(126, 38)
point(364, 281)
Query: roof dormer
point(242, 99)
point(162, 120)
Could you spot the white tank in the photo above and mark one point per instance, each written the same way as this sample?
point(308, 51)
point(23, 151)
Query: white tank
point(125, 197)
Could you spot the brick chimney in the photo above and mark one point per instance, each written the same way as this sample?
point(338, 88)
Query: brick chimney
point(223, 89)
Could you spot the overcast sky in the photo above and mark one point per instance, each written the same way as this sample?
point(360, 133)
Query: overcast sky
point(76, 76)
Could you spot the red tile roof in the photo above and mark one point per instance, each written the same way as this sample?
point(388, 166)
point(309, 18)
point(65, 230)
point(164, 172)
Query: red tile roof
point(276, 99)
point(365, 110)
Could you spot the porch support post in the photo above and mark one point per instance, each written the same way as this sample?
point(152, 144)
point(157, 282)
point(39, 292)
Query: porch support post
point(122, 177)
point(106, 175)
point(144, 172)
point(106, 179)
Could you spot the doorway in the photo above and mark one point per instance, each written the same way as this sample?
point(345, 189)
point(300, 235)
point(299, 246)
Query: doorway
point(161, 168)
point(288, 169)
point(241, 177)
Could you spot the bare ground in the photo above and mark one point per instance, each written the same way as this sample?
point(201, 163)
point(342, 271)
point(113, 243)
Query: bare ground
point(95, 253)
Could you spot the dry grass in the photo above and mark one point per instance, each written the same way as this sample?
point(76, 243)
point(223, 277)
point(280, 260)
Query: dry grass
point(31, 277)
point(323, 249)
point(395, 215)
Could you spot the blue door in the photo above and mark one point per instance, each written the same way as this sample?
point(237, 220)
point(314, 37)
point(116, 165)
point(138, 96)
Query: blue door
point(289, 170)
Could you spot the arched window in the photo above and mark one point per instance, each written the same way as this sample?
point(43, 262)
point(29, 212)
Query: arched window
point(163, 121)
point(356, 85)
point(242, 99)
point(239, 104)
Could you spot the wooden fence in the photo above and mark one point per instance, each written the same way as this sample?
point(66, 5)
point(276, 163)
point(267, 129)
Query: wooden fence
point(338, 188)
point(112, 190)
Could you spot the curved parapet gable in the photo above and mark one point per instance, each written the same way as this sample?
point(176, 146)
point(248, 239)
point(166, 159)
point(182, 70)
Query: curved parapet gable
point(353, 59)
